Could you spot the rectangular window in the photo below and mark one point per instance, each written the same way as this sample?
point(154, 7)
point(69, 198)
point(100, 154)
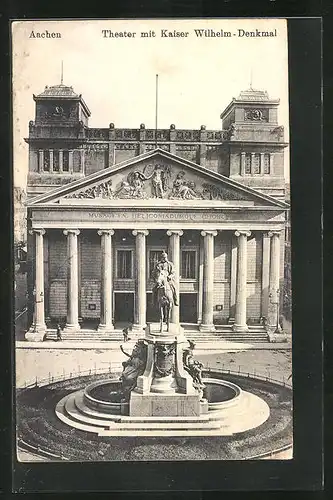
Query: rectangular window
point(65, 161)
point(46, 166)
point(188, 264)
point(248, 163)
point(256, 164)
point(76, 161)
point(267, 164)
point(55, 161)
point(124, 264)
point(154, 257)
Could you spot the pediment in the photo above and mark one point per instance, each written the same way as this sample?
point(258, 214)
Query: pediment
point(154, 178)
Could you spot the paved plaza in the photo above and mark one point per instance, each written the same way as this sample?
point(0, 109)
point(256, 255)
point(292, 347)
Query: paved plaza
point(274, 362)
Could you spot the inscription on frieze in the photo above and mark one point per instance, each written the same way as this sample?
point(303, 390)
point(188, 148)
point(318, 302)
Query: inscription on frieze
point(160, 216)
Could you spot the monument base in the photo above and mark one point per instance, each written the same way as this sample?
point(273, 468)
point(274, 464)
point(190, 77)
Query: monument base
point(35, 335)
point(105, 328)
point(275, 337)
point(153, 332)
point(240, 328)
point(164, 405)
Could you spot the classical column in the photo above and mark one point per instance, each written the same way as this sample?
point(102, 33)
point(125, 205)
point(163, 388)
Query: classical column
point(262, 163)
point(106, 280)
point(174, 247)
point(208, 281)
point(233, 279)
point(265, 275)
point(200, 281)
point(70, 161)
point(51, 159)
point(242, 164)
point(140, 281)
point(270, 168)
point(61, 160)
point(72, 322)
point(82, 158)
point(274, 280)
point(38, 327)
point(41, 160)
point(241, 282)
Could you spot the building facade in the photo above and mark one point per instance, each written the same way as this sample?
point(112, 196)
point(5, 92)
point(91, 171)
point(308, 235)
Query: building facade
point(104, 203)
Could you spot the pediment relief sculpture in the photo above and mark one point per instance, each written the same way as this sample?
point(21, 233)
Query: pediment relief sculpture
point(157, 181)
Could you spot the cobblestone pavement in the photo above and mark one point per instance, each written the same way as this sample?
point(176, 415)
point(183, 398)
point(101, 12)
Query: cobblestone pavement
point(41, 363)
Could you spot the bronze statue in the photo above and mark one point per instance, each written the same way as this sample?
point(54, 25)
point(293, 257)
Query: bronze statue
point(164, 291)
point(165, 265)
point(133, 367)
point(192, 366)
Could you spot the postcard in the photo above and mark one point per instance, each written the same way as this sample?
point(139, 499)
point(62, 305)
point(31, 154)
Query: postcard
point(152, 240)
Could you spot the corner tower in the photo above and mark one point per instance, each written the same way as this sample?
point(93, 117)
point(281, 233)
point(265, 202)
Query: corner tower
point(56, 138)
point(255, 142)
point(60, 105)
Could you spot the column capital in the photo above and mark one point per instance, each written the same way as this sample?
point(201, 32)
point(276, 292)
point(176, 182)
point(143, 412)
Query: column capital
point(242, 233)
point(71, 231)
point(274, 232)
point(208, 232)
point(180, 232)
point(110, 232)
point(41, 232)
point(135, 232)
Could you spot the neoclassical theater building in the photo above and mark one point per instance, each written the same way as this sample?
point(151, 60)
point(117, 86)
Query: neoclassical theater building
point(103, 203)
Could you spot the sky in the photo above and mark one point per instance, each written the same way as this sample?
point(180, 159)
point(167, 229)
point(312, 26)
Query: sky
point(198, 77)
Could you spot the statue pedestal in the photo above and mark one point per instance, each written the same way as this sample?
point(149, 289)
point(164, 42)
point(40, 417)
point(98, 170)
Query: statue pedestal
point(164, 405)
point(165, 388)
point(175, 330)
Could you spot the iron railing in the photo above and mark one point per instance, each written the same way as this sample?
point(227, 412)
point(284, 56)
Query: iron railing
point(116, 367)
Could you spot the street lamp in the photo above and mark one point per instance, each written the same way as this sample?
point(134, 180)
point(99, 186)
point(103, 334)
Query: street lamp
point(277, 304)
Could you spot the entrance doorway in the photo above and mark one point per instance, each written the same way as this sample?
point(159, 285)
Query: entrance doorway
point(123, 307)
point(188, 310)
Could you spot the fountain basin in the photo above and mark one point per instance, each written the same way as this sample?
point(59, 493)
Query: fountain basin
point(221, 394)
point(98, 409)
point(105, 395)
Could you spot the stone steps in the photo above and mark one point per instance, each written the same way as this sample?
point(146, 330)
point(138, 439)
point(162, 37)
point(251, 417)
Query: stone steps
point(249, 412)
point(252, 338)
point(119, 424)
point(85, 336)
point(230, 337)
point(88, 336)
point(83, 408)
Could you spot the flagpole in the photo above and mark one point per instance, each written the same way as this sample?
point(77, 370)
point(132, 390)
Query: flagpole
point(62, 72)
point(156, 110)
